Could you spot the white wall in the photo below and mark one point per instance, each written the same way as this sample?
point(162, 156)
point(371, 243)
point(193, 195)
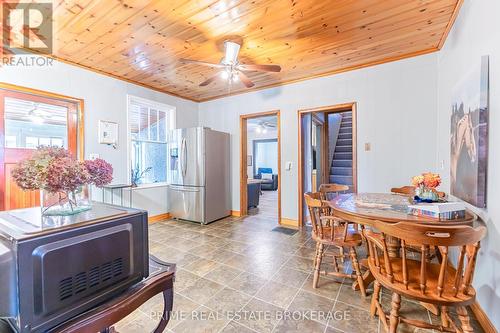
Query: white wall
point(396, 114)
point(105, 99)
point(253, 135)
point(474, 34)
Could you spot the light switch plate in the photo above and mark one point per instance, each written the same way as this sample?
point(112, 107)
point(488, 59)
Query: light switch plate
point(288, 166)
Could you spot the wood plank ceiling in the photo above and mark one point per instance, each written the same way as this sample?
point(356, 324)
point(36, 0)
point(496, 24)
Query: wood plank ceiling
point(141, 41)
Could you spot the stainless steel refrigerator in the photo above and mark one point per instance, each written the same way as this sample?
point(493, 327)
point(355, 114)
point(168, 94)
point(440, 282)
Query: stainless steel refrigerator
point(198, 174)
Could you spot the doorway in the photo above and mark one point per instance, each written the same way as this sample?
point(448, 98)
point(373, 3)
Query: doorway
point(327, 149)
point(29, 119)
point(260, 161)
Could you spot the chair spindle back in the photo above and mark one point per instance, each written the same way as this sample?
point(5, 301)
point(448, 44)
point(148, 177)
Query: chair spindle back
point(324, 226)
point(327, 189)
point(465, 238)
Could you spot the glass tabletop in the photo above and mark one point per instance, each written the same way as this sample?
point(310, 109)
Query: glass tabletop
point(386, 207)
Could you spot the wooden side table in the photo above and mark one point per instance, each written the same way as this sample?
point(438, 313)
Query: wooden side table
point(111, 188)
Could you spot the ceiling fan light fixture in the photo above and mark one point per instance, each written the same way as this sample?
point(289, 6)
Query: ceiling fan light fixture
point(34, 116)
point(231, 53)
point(224, 75)
point(36, 119)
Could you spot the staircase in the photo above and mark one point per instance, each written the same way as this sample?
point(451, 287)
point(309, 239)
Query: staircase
point(341, 167)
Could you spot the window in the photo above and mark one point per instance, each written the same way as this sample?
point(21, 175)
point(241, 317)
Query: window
point(149, 122)
point(29, 124)
point(265, 154)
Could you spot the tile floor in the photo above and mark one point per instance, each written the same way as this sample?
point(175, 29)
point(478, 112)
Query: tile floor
point(268, 206)
point(236, 275)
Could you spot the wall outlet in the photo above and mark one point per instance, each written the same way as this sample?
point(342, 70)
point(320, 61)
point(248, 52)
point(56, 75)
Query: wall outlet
point(93, 156)
point(368, 146)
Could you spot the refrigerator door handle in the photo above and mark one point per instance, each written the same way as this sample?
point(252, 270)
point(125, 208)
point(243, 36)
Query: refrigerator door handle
point(181, 158)
point(184, 157)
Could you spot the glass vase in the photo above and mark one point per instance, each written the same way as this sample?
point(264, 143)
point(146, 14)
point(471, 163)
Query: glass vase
point(426, 193)
point(65, 203)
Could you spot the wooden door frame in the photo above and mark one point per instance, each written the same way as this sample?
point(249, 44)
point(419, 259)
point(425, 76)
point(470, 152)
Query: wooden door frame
point(323, 146)
point(327, 110)
point(44, 97)
point(243, 159)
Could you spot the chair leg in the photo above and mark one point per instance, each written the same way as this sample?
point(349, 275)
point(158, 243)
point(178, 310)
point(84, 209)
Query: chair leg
point(341, 249)
point(317, 266)
point(444, 316)
point(335, 263)
point(463, 316)
point(357, 269)
point(375, 298)
point(394, 318)
point(316, 254)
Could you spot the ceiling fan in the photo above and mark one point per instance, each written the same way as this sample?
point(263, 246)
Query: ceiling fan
point(230, 68)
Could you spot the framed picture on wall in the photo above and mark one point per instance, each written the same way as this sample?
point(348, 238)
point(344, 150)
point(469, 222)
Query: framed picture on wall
point(469, 135)
point(108, 133)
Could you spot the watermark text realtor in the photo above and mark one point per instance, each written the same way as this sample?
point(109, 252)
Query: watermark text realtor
point(27, 30)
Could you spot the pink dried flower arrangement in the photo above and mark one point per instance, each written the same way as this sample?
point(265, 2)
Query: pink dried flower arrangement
point(66, 175)
point(100, 172)
point(53, 169)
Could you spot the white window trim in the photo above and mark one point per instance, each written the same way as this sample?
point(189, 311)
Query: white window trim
point(155, 105)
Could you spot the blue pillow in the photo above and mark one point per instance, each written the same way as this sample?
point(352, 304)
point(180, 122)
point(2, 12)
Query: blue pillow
point(265, 170)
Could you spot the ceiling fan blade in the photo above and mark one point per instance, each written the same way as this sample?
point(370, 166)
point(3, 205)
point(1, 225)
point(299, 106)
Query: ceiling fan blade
point(260, 68)
point(210, 80)
point(203, 63)
point(246, 81)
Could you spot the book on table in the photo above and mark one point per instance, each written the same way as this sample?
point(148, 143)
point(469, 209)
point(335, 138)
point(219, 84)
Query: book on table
point(439, 210)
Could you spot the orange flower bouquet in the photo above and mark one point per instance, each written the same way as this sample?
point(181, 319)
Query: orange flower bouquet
point(425, 186)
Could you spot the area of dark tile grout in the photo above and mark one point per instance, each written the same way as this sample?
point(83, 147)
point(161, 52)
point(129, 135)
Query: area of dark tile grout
point(236, 275)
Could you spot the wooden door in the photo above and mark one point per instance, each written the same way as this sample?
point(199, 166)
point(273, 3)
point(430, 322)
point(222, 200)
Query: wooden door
point(26, 121)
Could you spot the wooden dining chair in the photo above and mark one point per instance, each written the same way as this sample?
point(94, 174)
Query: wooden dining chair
point(329, 230)
point(437, 283)
point(410, 191)
point(328, 192)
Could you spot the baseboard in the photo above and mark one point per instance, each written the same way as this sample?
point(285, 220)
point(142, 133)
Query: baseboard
point(236, 213)
point(157, 218)
point(482, 318)
point(289, 222)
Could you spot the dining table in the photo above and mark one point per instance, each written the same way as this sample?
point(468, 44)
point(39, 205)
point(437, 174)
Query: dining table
point(365, 208)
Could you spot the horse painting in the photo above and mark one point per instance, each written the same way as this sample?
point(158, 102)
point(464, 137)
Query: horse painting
point(469, 134)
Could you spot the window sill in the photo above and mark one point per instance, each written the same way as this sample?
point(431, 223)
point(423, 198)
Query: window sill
point(147, 186)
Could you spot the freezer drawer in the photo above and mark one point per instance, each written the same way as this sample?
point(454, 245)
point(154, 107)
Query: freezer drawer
point(187, 202)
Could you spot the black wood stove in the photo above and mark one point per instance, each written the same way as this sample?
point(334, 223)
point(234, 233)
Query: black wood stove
point(55, 268)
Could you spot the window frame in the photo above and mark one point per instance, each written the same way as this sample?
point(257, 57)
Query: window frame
point(170, 113)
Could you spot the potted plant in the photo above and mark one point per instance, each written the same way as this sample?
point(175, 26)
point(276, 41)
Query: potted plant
point(425, 186)
point(62, 180)
point(136, 175)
